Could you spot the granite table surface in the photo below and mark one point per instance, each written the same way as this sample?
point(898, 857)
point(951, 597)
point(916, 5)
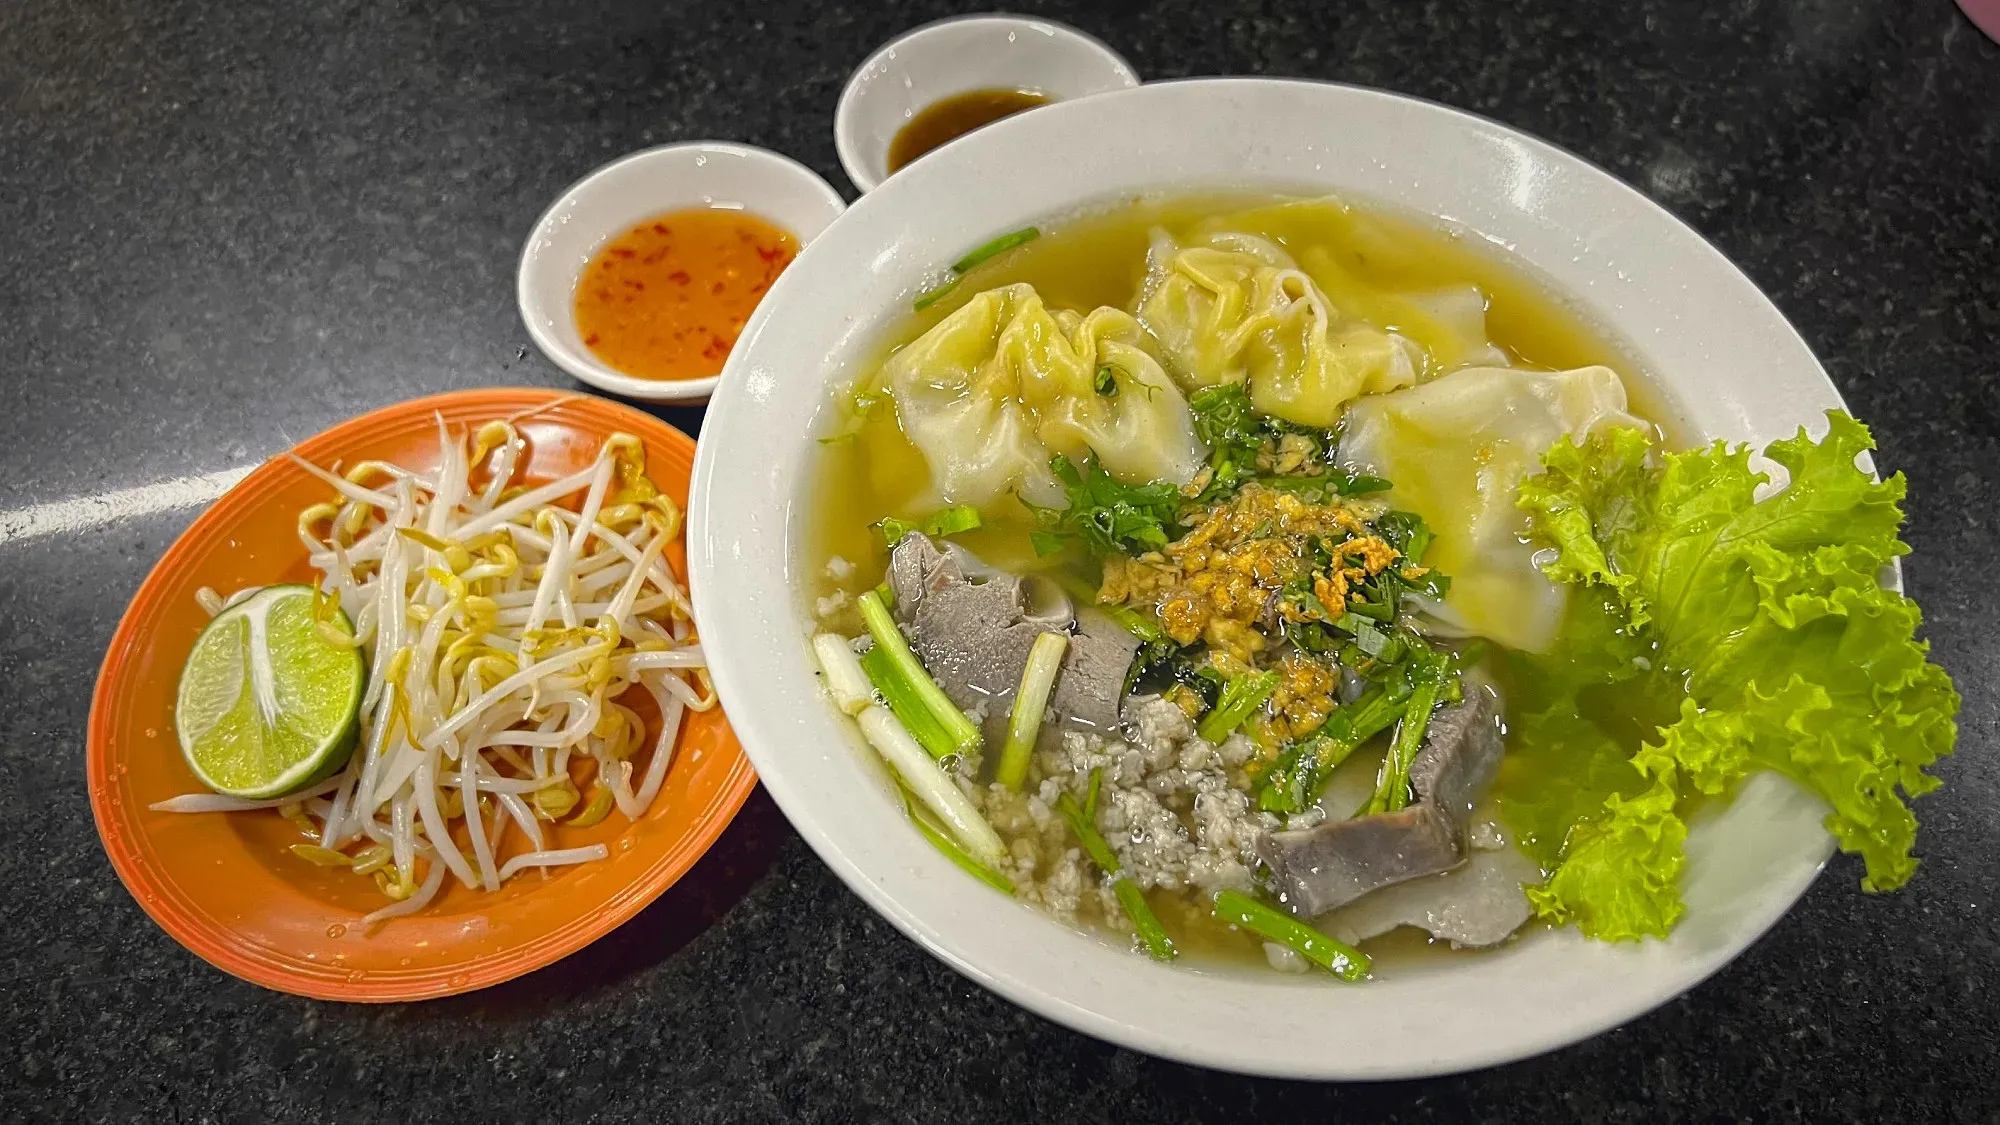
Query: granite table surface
point(224, 227)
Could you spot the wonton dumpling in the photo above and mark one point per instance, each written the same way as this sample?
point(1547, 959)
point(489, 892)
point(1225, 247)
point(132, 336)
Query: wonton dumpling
point(1239, 310)
point(1141, 433)
point(1458, 316)
point(1455, 450)
point(995, 389)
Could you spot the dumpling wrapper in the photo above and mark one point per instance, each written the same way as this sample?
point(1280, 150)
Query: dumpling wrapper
point(994, 390)
point(1240, 311)
point(1329, 240)
point(1457, 323)
point(1455, 451)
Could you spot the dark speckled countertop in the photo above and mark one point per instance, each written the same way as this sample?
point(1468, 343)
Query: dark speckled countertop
point(226, 226)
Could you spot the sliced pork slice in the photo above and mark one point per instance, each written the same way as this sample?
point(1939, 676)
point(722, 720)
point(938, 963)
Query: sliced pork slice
point(1478, 903)
point(1091, 691)
point(1318, 869)
point(974, 638)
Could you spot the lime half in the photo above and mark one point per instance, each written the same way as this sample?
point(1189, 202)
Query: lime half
point(268, 705)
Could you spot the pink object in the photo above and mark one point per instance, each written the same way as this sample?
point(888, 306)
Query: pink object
point(1984, 13)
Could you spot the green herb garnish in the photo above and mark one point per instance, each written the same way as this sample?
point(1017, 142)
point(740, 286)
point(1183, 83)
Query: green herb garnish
point(931, 297)
point(927, 825)
point(953, 520)
point(1107, 517)
point(1241, 696)
point(1336, 957)
point(998, 246)
point(1144, 921)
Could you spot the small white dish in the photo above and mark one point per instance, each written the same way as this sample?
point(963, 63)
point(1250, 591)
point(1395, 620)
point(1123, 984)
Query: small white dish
point(954, 56)
point(1722, 358)
point(614, 198)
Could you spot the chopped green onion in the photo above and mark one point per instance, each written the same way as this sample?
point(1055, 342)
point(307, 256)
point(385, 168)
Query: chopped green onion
point(1144, 921)
point(1046, 543)
point(1240, 696)
point(1086, 833)
point(1374, 610)
point(893, 529)
point(1295, 782)
point(1336, 957)
point(887, 593)
point(938, 791)
point(952, 520)
point(1134, 622)
point(1090, 797)
point(945, 521)
point(999, 245)
point(902, 699)
point(845, 680)
point(1356, 484)
point(921, 817)
point(964, 735)
point(1106, 382)
point(931, 297)
point(1313, 486)
point(1150, 931)
point(1031, 702)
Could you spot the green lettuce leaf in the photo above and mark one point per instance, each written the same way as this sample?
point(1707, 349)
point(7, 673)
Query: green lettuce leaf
point(1795, 659)
point(1589, 502)
point(1620, 879)
point(1571, 712)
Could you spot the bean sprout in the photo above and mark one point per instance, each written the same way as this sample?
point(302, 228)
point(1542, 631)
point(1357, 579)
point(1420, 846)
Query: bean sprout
point(501, 629)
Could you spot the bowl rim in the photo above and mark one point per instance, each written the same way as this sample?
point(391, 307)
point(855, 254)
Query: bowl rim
point(587, 368)
point(846, 141)
point(1667, 974)
point(225, 949)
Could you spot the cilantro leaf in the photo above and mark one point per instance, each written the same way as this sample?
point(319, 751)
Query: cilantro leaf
point(1106, 516)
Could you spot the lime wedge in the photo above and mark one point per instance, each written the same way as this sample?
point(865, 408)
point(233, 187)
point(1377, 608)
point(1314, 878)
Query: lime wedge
point(267, 705)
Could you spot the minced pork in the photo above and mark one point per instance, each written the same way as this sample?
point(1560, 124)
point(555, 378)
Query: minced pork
point(1165, 805)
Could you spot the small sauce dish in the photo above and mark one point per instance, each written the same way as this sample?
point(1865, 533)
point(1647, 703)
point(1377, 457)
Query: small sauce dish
point(929, 64)
point(654, 184)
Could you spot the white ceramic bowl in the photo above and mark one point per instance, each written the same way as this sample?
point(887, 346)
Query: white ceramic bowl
point(1726, 361)
point(611, 200)
point(953, 56)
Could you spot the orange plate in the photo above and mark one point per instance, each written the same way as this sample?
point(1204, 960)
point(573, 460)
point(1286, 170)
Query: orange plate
point(224, 885)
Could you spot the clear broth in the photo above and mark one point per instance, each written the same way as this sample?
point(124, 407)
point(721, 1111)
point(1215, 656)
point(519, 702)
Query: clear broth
point(1100, 259)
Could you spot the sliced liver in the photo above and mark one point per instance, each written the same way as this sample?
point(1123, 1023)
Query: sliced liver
point(974, 638)
point(1321, 868)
